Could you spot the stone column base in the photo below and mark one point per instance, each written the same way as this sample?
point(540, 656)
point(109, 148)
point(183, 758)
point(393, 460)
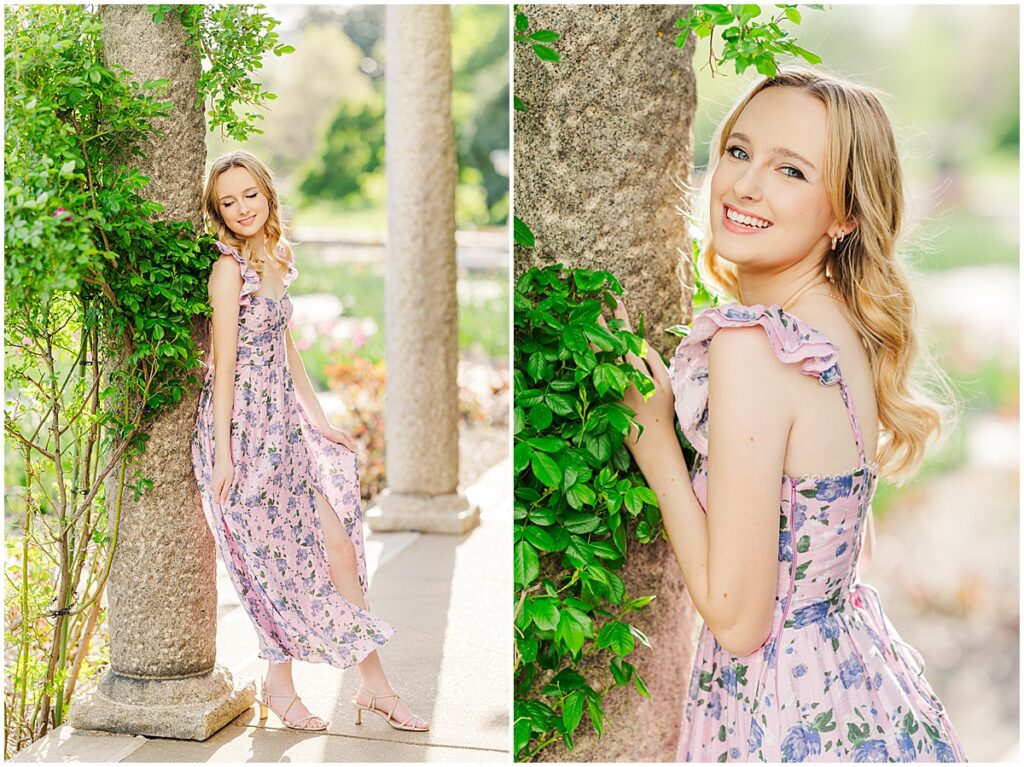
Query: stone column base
point(190, 708)
point(451, 513)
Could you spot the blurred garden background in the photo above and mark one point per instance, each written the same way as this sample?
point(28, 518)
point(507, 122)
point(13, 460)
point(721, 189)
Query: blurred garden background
point(323, 137)
point(947, 559)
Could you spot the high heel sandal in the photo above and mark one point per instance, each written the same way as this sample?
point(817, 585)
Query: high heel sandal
point(387, 716)
point(265, 702)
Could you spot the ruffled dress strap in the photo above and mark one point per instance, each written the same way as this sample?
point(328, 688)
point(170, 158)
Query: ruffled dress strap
point(292, 272)
point(792, 341)
point(251, 280)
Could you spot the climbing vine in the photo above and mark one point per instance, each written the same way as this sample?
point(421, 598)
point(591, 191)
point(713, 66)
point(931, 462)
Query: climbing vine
point(578, 499)
point(100, 300)
point(233, 39)
point(746, 42)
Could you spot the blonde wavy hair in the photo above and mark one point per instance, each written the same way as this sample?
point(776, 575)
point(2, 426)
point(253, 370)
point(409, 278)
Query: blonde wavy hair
point(864, 183)
point(273, 229)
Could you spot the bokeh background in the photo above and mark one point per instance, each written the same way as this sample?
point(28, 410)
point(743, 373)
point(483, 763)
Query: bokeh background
point(947, 555)
point(323, 138)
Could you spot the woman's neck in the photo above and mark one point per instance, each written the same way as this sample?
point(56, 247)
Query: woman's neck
point(782, 287)
point(258, 245)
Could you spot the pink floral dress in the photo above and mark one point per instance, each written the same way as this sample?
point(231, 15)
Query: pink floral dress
point(834, 681)
point(268, 532)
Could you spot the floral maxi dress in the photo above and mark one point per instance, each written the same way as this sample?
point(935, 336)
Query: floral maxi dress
point(834, 681)
point(268, 532)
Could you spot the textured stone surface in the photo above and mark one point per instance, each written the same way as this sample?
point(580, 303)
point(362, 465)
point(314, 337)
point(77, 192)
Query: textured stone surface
point(604, 142)
point(162, 588)
point(193, 708)
point(161, 592)
point(422, 314)
point(175, 162)
point(65, 744)
point(599, 151)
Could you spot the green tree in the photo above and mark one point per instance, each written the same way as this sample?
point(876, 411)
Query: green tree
point(353, 151)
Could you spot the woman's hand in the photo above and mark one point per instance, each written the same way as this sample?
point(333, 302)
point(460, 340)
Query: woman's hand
point(337, 435)
point(657, 413)
point(223, 476)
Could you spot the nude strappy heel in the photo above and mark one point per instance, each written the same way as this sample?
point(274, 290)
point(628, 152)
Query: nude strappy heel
point(388, 716)
point(265, 703)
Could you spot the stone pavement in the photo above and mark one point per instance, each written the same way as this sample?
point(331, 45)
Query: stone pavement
point(447, 597)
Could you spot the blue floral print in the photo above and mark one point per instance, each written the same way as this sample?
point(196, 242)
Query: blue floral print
point(833, 681)
point(871, 751)
point(801, 741)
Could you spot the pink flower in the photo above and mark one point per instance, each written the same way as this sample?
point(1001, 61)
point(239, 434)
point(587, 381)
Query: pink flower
point(60, 213)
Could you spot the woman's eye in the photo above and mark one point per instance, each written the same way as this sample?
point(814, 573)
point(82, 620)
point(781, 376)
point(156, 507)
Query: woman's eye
point(736, 152)
point(795, 173)
point(250, 196)
point(227, 205)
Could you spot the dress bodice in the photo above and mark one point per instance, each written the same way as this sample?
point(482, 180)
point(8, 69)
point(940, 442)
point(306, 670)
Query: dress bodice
point(262, 320)
point(821, 517)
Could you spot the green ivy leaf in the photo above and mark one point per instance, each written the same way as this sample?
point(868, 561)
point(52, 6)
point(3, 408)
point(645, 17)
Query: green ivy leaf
point(545, 36)
point(621, 672)
point(539, 417)
point(527, 564)
point(540, 538)
point(641, 686)
point(545, 469)
point(521, 233)
point(522, 733)
point(617, 637)
point(544, 613)
point(521, 456)
point(544, 53)
point(596, 716)
point(527, 648)
point(572, 710)
point(569, 632)
point(547, 444)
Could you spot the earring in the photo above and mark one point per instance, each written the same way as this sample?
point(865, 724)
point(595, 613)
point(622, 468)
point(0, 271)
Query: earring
point(834, 241)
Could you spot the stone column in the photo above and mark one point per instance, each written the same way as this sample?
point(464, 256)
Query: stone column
point(163, 679)
point(600, 154)
point(422, 457)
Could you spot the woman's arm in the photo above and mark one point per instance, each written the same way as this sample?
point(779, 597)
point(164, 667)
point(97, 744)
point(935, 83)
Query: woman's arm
point(308, 399)
point(728, 556)
point(224, 288)
point(303, 388)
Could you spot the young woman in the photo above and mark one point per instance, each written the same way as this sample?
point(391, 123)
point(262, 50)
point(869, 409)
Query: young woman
point(279, 484)
point(797, 399)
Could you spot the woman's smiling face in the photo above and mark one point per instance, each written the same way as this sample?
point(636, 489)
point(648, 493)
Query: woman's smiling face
point(769, 204)
point(240, 202)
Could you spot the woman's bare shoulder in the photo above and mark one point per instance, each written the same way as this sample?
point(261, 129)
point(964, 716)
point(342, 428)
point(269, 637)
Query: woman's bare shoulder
point(226, 276)
point(743, 360)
